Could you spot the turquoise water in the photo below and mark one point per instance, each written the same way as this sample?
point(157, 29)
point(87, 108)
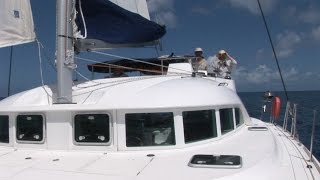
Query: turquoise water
point(306, 101)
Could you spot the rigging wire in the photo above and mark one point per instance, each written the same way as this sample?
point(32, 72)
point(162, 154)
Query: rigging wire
point(115, 66)
point(84, 77)
point(41, 74)
point(10, 68)
point(273, 49)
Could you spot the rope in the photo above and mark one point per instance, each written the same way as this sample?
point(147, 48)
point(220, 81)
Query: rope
point(84, 77)
point(41, 74)
point(10, 68)
point(273, 49)
point(136, 60)
point(115, 84)
point(83, 20)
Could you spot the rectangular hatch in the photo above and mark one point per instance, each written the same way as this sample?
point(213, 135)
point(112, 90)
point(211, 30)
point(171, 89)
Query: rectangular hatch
point(216, 161)
point(257, 128)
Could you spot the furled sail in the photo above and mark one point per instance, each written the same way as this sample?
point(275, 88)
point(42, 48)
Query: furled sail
point(16, 22)
point(115, 23)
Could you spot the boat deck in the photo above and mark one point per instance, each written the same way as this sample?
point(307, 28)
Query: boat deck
point(270, 154)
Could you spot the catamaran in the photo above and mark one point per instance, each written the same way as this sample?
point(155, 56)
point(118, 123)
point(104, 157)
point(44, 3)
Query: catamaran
point(177, 125)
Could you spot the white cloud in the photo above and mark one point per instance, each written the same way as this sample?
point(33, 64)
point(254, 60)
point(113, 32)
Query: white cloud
point(316, 33)
point(286, 43)
point(311, 16)
point(263, 74)
point(163, 12)
point(252, 5)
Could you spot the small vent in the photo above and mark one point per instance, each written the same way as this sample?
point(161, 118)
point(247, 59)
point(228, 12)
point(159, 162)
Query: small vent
point(223, 84)
point(16, 14)
point(216, 161)
point(257, 128)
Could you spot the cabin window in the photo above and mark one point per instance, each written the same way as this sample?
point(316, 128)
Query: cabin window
point(150, 129)
point(226, 120)
point(92, 128)
point(239, 117)
point(4, 129)
point(30, 128)
point(199, 125)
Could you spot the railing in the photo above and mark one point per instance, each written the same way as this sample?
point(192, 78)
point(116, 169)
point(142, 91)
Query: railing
point(291, 114)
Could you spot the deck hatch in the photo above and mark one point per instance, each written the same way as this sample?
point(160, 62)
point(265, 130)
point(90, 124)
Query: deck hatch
point(216, 161)
point(257, 128)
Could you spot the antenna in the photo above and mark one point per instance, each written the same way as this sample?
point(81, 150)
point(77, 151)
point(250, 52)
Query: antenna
point(273, 49)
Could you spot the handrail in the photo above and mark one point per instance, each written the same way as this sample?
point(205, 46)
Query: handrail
point(312, 133)
point(291, 113)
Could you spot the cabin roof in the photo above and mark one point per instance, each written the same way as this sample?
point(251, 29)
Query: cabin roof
point(133, 93)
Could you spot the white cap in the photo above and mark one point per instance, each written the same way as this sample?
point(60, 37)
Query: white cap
point(222, 51)
point(198, 50)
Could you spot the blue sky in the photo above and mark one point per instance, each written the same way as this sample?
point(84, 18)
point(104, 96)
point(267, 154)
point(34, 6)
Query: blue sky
point(233, 25)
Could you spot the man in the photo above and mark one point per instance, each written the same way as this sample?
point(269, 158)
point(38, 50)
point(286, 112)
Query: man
point(199, 63)
point(222, 64)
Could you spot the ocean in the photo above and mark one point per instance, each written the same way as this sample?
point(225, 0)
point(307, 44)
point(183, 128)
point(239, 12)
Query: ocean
point(306, 101)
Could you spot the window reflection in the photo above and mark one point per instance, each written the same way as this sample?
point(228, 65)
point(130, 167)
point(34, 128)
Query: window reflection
point(199, 125)
point(150, 129)
point(238, 116)
point(92, 128)
point(30, 128)
point(4, 129)
point(226, 120)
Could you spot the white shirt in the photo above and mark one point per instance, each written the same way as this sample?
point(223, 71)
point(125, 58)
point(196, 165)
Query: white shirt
point(198, 64)
point(221, 68)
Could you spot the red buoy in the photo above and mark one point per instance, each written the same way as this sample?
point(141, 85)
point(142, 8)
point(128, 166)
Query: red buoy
point(276, 105)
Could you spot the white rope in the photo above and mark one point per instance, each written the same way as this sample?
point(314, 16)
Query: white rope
point(76, 31)
point(115, 83)
point(41, 74)
point(136, 60)
point(83, 20)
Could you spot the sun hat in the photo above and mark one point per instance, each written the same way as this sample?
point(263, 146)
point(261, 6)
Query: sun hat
point(198, 49)
point(222, 52)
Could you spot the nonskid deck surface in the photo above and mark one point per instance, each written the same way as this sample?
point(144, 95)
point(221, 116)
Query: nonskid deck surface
point(268, 154)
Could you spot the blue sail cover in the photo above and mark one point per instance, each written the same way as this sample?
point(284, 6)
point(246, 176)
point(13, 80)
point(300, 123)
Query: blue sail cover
point(109, 25)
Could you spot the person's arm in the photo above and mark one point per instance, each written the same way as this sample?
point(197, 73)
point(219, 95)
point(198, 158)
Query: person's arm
point(233, 61)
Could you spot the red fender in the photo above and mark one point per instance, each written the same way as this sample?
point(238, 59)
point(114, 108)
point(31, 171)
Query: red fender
point(276, 105)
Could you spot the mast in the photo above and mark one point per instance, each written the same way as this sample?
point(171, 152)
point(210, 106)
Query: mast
point(65, 53)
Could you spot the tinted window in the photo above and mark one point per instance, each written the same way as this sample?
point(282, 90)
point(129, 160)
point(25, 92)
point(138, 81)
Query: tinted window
point(226, 120)
point(30, 128)
point(4, 129)
point(92, 128)
point(150, 129)
point(238, 116)
point(199, 125)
